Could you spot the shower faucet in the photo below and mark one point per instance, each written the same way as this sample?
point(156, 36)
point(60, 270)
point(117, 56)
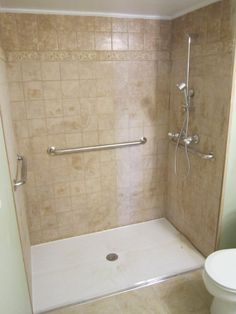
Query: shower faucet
point(187, 140)
point(194, 139)
point(173, 136)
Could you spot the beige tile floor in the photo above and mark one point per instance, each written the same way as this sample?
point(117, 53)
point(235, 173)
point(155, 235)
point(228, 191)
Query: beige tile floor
point(184, 294)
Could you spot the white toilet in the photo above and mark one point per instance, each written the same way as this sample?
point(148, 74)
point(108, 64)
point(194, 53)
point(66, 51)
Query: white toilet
point(220, 280)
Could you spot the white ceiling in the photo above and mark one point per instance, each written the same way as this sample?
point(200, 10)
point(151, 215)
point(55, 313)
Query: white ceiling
point(165, 9)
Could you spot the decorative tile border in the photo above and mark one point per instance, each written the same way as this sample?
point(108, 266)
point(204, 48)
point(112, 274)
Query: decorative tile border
point(88, 56)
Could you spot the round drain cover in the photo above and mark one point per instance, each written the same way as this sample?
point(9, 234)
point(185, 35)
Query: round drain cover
point(112, 257)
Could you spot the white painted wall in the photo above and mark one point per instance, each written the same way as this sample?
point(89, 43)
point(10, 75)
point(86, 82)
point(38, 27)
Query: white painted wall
point(11, 147)
point(14, 294)
point(228, 222)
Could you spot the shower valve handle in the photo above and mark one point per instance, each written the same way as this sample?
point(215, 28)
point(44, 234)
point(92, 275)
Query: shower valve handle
point(173, 135)
point(194, 139)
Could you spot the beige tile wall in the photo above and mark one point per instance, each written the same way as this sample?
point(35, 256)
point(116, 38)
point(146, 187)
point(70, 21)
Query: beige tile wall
point(77, 81)
point(193, 204)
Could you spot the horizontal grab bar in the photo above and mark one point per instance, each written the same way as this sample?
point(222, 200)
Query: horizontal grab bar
point(209, 156)
point(61, 151)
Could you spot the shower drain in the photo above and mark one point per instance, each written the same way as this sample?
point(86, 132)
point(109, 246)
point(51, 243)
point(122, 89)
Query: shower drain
point(112, 257)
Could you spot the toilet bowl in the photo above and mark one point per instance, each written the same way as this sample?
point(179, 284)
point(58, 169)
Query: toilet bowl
point(220, 280)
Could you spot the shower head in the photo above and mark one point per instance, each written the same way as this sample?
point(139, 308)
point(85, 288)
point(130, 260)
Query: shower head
point(182, 86)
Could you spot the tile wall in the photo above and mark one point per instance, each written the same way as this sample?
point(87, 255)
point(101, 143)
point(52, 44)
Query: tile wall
point(193, 203)
point(77, 81)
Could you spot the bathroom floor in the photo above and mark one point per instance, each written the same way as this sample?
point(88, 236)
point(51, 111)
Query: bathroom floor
point(184, 294)
point(75, 270)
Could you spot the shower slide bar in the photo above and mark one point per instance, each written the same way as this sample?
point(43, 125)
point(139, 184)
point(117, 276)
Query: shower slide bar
point(62, 151)
point(209, 156)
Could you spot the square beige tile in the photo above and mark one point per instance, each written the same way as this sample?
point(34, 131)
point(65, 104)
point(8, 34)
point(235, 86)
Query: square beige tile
point(102, 41)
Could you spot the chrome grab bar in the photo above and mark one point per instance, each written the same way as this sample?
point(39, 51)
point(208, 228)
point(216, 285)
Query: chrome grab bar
point(209, 156)
point(23, 178)
point(61, 151)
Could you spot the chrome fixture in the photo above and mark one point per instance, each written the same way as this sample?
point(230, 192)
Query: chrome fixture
point(183, 88)
point(183, 138)
point(209, 156)
point(194, 139)
point(173, 136)
point(23, 177)
point(188, 94)
point(61, 151)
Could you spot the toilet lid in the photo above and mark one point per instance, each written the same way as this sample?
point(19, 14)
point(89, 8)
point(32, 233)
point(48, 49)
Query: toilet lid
point(221, 267)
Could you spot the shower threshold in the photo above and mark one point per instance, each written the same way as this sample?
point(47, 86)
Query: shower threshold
point(83, 268)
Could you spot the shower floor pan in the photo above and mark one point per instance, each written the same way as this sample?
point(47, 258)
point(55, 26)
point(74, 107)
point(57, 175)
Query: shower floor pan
point(76, 270)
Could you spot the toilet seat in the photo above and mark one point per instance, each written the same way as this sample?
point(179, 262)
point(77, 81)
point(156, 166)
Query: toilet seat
point(221, 268)
point(212, 284)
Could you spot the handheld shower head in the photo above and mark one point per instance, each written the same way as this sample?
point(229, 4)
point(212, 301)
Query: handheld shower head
point(183, 88)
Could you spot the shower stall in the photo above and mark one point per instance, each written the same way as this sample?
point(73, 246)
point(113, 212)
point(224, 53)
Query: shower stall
point(107, 200)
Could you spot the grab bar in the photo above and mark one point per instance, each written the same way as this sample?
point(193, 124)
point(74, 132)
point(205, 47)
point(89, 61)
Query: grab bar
point(61, 151)
point(23, 178)
point(209, 156)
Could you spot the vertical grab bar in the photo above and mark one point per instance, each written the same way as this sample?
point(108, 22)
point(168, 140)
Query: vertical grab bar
point(23, 176)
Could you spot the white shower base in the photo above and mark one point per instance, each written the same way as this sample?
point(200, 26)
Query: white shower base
point(75, 270)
